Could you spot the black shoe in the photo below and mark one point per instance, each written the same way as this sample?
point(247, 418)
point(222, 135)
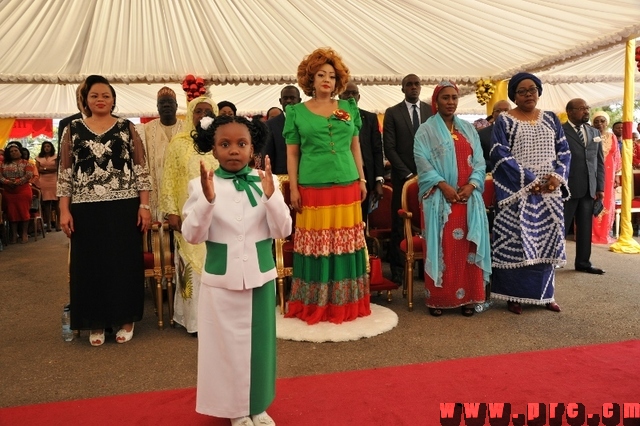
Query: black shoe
point(591, 270)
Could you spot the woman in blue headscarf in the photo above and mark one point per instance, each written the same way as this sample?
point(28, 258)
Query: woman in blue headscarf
point(531, 158)
point(451, 175)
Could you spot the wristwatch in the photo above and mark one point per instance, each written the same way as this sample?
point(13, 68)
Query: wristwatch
point(380, 179)
point(145, 206)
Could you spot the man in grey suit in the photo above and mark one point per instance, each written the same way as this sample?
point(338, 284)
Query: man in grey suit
point(586, 180)
point(400, 124)
point(275, 146)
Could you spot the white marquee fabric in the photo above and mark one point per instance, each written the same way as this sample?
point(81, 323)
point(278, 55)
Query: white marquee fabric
point(247, 50)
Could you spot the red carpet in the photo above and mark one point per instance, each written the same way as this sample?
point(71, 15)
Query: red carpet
point(406, 395)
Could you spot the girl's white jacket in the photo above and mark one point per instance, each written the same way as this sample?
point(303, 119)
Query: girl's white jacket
point(239, 237)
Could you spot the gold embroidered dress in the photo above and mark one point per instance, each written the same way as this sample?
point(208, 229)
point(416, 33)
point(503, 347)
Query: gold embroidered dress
point(182, 163)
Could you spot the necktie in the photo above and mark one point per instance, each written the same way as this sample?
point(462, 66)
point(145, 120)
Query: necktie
point(415, 119)
point(579, 131)
point(243, 181)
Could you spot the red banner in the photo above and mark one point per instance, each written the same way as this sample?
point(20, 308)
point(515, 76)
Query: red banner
point(34, 127)
point(144, 120)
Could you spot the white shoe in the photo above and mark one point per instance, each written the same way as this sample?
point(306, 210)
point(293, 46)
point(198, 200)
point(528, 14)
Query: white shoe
point(96, 339)
point(241, 421)
point(123, 336)
point(263, 419)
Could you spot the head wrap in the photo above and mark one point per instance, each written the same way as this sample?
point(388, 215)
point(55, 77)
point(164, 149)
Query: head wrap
point(436, 92)
point(516, 79)
point(166, 91)
point(223, 104)
point(188, 126)
point(601, 114)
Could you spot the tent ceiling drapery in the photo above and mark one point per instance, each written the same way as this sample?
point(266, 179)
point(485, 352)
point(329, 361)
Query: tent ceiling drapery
point(248, 49)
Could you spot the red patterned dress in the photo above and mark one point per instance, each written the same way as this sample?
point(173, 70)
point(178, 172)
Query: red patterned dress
point(462, 281)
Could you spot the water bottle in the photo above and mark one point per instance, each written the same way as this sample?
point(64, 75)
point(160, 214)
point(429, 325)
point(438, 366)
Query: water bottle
point(67, 333)
point(481, 307)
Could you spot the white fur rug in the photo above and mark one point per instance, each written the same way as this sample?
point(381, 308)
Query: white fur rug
point(381, 319)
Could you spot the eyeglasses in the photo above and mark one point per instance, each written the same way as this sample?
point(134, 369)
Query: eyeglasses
point(531, 91)
point(583, 109)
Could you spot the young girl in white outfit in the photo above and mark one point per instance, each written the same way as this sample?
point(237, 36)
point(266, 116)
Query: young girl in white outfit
point(237, 212)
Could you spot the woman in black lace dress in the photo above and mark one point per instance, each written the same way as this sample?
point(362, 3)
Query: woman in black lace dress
point(103, 185)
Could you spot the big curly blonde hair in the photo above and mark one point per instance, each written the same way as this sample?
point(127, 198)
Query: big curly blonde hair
point(312, 63)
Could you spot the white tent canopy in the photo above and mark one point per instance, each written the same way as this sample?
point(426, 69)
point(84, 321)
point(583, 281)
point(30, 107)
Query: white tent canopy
point(247, 50)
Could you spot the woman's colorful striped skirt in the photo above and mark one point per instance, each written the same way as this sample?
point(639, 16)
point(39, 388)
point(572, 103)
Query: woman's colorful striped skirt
point(330, 281)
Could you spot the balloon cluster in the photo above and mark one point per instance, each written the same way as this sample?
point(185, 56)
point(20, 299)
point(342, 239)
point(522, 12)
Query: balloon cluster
point(638, 57)
point(484, 91)
point(193, 87)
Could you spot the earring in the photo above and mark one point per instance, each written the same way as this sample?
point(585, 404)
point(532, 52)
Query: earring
point(313, 93)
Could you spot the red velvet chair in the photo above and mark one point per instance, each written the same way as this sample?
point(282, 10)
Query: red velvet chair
point(379, 221)
point(412, 245)
point(489, 194)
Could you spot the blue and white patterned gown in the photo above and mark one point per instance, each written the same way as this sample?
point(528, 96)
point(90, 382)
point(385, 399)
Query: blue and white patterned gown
point(528, 231)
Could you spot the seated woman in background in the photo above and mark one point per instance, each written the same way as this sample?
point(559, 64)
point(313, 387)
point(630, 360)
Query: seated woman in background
point(451, 174)
point(47, 166)
point(15, 175)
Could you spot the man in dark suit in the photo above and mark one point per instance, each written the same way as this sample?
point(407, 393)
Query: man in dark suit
point(371, 148)
point(586, 180)
point(399, 128)
point(67, 120)
point(276, 147)
point(485, 133)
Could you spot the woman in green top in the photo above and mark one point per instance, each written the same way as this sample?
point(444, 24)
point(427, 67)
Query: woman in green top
point(327, 186)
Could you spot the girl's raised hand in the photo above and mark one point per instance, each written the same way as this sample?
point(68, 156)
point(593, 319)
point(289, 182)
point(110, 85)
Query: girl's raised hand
point(266, 178)
point(206, 179)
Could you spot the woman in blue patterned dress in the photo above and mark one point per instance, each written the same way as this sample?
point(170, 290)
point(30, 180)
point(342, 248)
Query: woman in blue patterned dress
point(531, 158)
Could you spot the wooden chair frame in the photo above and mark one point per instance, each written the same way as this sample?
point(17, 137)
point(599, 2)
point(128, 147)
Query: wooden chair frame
point(168, 267)
point(282, 270)
point(36, 216)
point(151, 244)
point(410, 230)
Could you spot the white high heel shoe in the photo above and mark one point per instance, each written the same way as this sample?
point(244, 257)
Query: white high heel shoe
point(96, 339)
point(123, 336)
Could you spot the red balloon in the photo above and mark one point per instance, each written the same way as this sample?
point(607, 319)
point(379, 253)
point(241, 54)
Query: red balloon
point(199, 81)
point(185, 86)
point(190, 79)
point(193, 87)
point(203, 90)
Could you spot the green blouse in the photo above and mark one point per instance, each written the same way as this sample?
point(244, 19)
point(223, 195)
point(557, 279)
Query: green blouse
point(325, 143)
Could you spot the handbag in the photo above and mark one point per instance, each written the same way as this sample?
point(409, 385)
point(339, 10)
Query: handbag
point(375, 274)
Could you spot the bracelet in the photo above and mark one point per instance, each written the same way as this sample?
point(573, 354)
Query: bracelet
point(474, 185)
point(363, 180)
point(145, 206)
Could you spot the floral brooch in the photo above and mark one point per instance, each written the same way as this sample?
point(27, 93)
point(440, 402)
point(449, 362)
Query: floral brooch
point(341, 114)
